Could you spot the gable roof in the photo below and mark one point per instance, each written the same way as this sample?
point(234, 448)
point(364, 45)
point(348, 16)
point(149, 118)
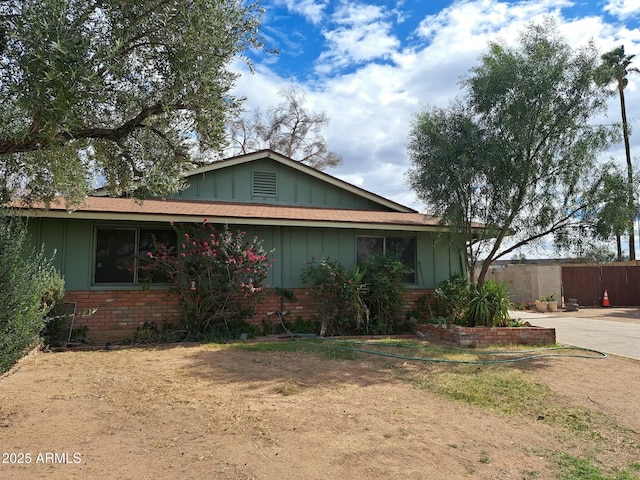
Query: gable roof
point(104, 208)
point(114, 209)
point(301, 167)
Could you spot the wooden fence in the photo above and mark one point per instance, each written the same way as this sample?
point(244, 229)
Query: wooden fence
point(588, 283)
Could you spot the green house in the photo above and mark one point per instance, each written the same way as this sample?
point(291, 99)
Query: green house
point(298, 211)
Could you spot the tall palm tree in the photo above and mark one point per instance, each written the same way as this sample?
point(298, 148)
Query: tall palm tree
point(616, 67)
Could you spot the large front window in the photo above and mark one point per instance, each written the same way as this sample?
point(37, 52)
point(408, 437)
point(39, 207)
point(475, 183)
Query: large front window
point(399, 248)
point(119, 253)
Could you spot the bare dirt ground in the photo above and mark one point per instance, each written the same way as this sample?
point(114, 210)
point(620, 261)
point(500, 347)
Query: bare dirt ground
point(205, 411)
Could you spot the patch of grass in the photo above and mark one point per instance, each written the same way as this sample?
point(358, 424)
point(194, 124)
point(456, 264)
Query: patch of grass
point(290, 387)
point(505, 390)
point(530, 474)
point(581, 421)
point(287, 346)
point(319, 348)
point(508, 391)
point(498, 389)
point(575, 468)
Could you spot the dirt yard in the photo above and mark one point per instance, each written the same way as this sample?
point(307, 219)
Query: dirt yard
point(209, 412)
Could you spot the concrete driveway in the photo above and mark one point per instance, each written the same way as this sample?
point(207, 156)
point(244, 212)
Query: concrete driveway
point(615, 331)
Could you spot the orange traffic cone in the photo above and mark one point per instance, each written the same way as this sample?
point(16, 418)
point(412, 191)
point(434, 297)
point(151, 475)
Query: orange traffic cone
point(605, 299)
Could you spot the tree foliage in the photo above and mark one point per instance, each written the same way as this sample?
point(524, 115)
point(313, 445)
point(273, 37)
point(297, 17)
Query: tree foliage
point(612, 216)
point(517, 153)
point(615, 68)
point(287, 128)
point(29, 287)
point(120, 89)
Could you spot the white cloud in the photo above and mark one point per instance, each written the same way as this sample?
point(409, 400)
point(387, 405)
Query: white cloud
point(363, 33)
point(623, 8)
point(372, 106)
point(470, 25)
point(311, 10)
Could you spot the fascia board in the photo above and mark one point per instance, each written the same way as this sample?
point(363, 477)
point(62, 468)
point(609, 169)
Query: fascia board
point(138, 217)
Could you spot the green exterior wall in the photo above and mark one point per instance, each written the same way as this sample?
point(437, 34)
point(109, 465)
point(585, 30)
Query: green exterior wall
point(73, 240)
point(73, 243)
point(234, 184)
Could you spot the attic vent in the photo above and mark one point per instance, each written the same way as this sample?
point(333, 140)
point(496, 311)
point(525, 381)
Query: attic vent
point(265, 184)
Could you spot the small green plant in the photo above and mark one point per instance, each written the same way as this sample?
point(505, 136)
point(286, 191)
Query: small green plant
point(548, 298)
point(149, 332)
point(453, 297)
point(489, 305)
point(437, 321)
point(338, 294)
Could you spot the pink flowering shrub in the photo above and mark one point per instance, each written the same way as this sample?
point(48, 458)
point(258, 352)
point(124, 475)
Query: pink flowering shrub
point(217, 274)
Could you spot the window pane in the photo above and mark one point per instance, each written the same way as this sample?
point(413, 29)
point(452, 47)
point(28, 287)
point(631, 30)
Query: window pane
point(115, 256)
point(147, 236)
point(403, 249)
point(366, 247)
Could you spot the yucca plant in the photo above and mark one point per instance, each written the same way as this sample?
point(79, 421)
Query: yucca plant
point(489, 305)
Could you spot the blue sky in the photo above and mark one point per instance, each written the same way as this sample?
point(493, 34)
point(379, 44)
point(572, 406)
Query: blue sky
point(371, 65)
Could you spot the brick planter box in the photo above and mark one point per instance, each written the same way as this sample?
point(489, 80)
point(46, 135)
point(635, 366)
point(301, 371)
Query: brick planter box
point(487, 336)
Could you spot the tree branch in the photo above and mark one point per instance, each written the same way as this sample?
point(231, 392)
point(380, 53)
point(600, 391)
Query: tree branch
point(559, 225)
point(33, 141)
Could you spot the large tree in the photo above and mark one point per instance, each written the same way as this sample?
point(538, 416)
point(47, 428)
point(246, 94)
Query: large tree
point(605, 215)
point(122, 90)
point(612, 217)
point(517, 153)
point(616, 67)
point(288, 128)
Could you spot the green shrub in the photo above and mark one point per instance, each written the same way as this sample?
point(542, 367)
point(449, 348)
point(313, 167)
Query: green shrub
point(339, 296)
point(29, 288)
point(217, 274)
point(384, 279)
point(368, 299)
point(453, 296)
point(149, 332)
point(489, 305)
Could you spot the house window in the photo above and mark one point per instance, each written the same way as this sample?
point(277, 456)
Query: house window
point(265, 184)
point(118, 252)
point(399, 248)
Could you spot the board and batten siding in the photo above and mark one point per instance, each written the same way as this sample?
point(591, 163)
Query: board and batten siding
point(72, 243)
point(293, 187)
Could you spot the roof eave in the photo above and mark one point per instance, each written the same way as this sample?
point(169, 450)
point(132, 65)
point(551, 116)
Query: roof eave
point(230, 220)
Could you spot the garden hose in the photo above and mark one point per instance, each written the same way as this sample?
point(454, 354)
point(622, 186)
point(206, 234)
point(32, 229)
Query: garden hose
point(514, 356)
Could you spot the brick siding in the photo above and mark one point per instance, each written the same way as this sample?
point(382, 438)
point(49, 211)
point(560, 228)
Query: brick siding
point(118, 313)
